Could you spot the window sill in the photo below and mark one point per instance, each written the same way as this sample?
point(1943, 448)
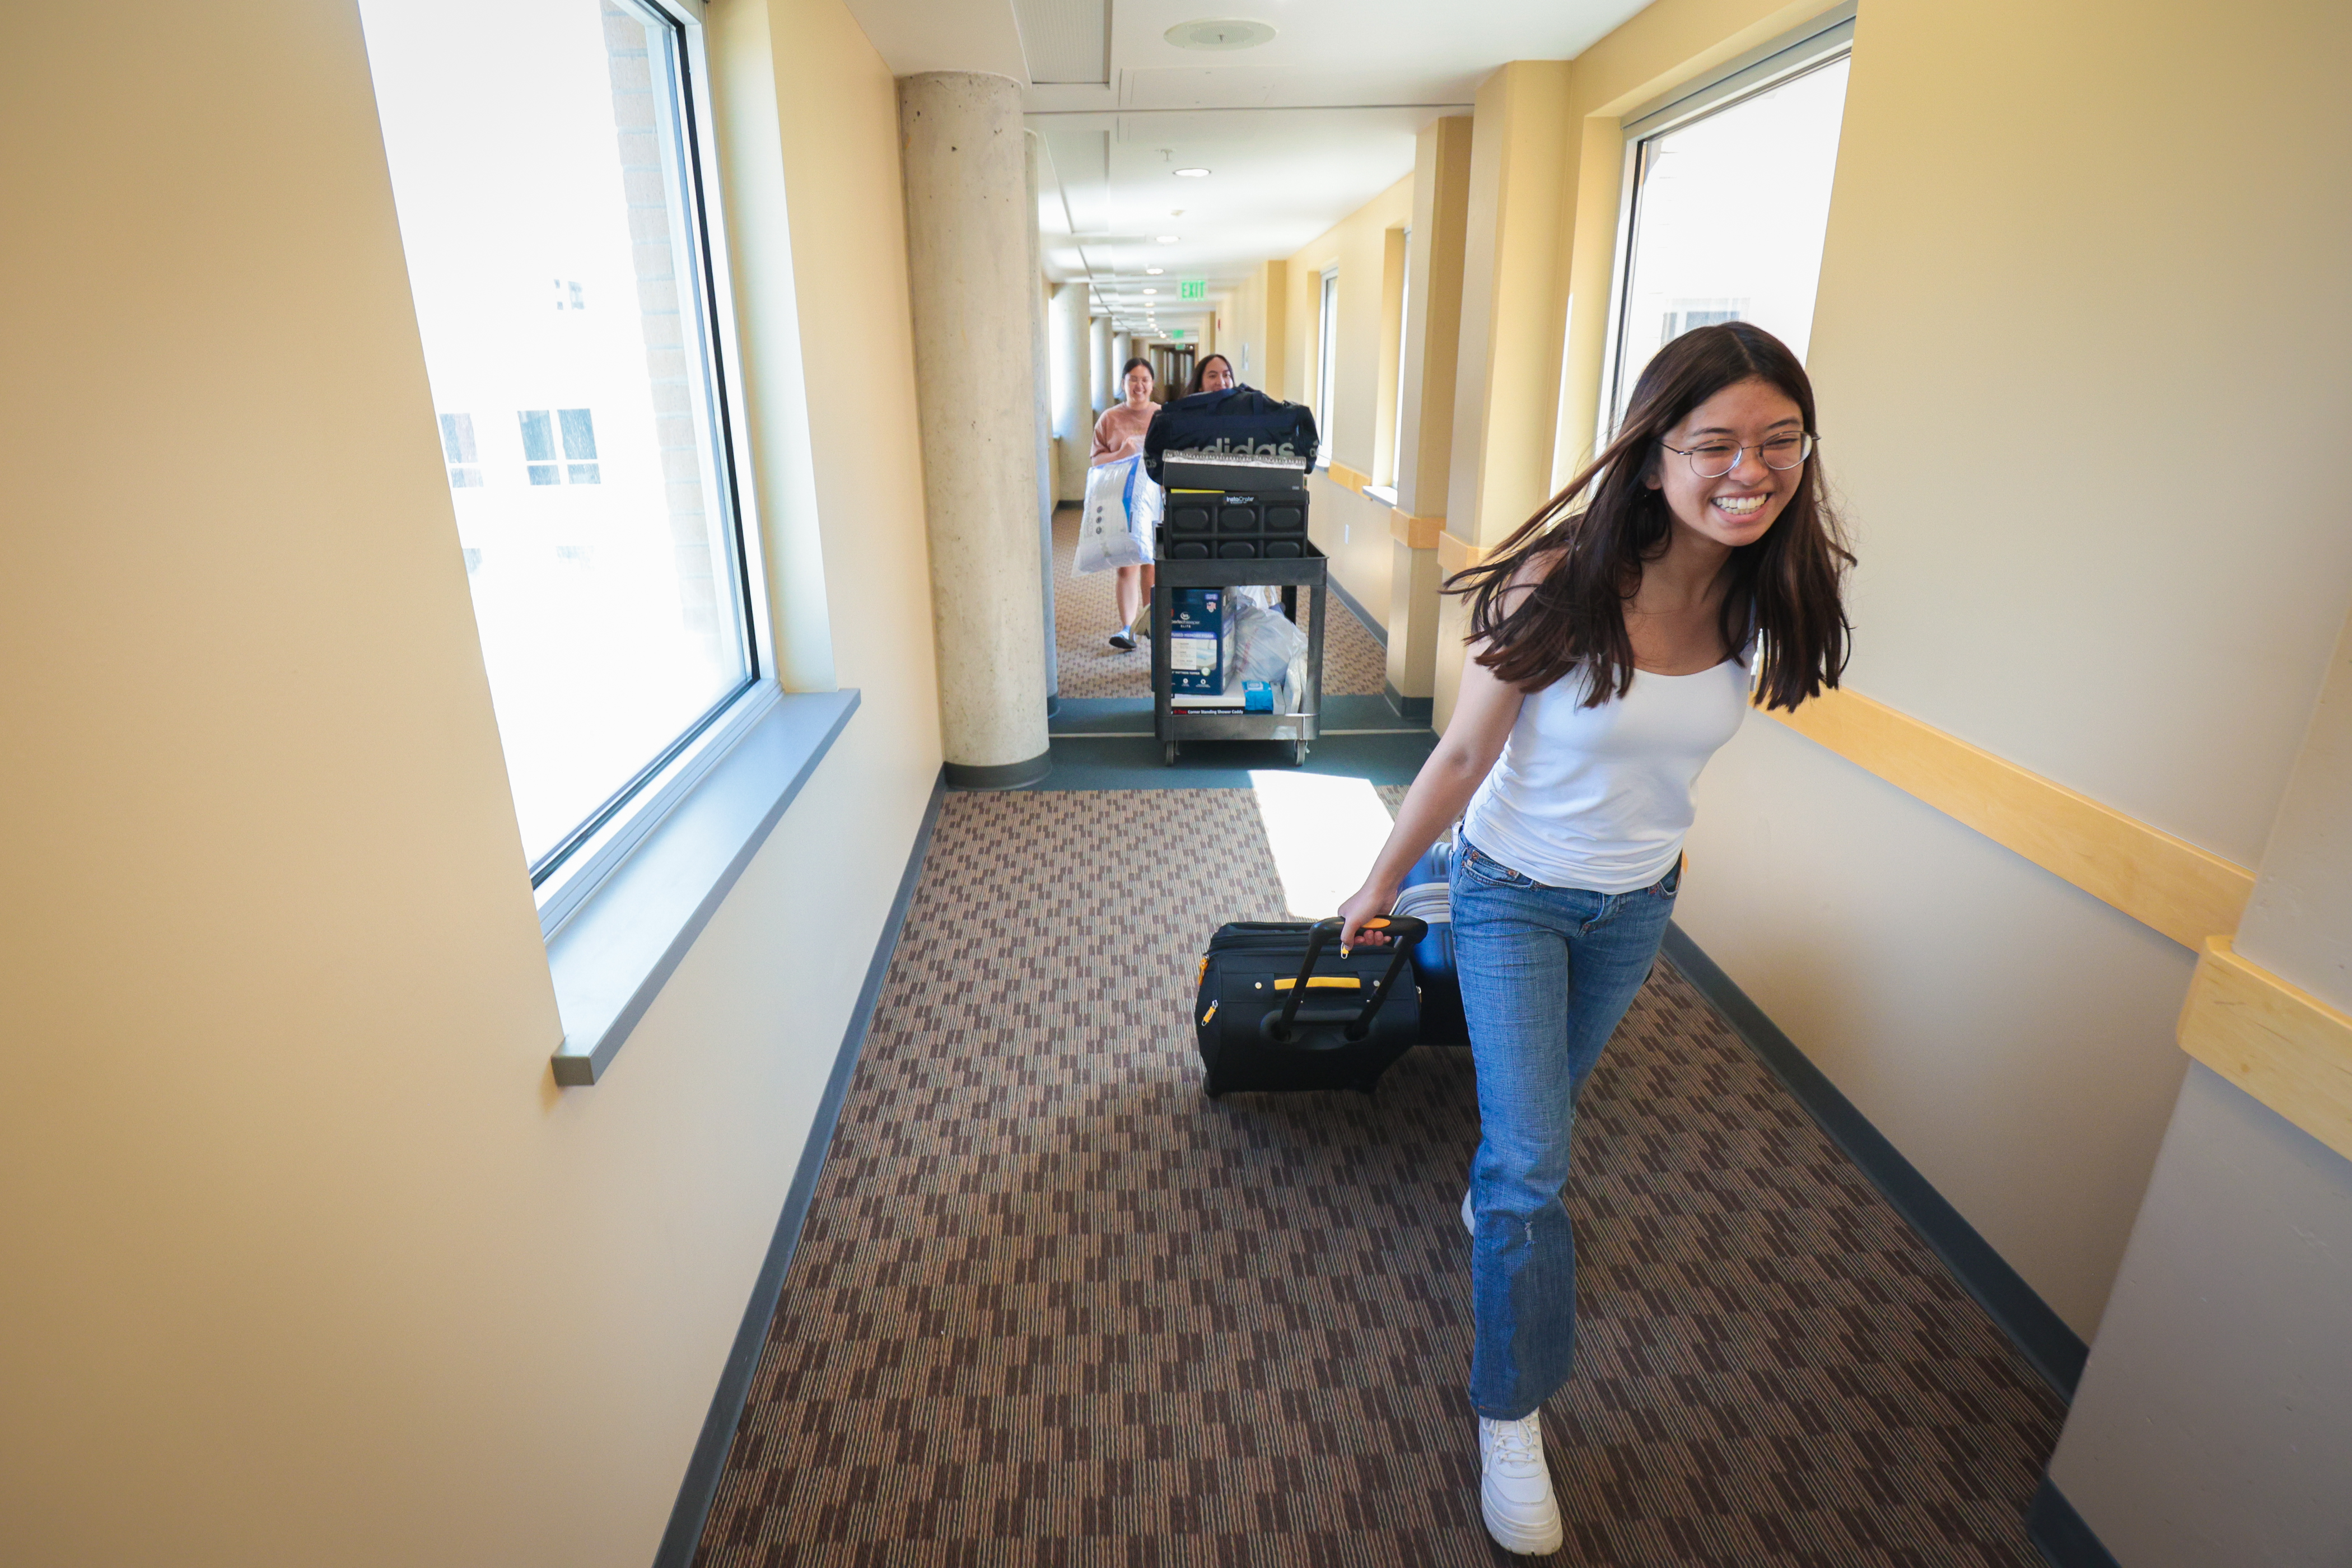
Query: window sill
point(1384, 494)
point(613, 954)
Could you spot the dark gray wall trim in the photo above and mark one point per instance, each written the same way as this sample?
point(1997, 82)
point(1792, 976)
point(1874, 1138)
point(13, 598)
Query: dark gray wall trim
point(1000, 775)
point(709, 1462)
point(614, 955)
point(2058, 1534)
point(1421, 708)
point(2039, 1333)
point(1379, 634)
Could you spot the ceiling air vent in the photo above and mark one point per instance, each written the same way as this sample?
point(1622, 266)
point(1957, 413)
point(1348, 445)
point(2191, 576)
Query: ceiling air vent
point(1065, 42)
point(1218, 35)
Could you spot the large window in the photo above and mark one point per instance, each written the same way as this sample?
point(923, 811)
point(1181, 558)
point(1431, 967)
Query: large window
point(544, 162)
point(1327, 341)
point(1729, 197)
point(1404, 333)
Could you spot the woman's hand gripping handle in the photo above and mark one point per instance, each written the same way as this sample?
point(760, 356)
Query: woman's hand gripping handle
point(1484, 713)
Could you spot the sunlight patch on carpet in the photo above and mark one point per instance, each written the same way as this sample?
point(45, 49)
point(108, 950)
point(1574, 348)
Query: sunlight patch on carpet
point(1325, 831)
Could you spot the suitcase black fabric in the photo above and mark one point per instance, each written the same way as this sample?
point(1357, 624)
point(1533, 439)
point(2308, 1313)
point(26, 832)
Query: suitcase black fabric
point(1238, 419)
point(1279, 1007)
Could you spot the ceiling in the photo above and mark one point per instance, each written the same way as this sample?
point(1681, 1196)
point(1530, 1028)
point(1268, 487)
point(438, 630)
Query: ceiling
point(1297, 132)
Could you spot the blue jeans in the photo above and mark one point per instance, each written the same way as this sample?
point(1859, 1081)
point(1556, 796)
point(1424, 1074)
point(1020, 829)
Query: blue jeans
point(1547, 973)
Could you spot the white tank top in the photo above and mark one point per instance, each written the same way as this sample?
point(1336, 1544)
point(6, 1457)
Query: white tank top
point(1599, 798)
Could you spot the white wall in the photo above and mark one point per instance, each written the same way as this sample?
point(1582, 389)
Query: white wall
point(308, 1257)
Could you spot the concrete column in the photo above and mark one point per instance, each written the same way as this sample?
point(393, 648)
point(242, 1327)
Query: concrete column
point(1122, 349)
point(1105, 375)
point(968, 248)
point(1041, 379)
point(2213, 1423)
point(1433, 336)
point(1506, 377)
point(1073, 424)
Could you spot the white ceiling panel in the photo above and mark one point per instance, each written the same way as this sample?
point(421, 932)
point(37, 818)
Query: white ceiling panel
point(1264, 87)
point(916, 35)
point(1065, 42)
point(1295, 133)
point(1276, 179)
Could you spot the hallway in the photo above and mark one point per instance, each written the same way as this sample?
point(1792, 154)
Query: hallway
point(1052, 1306)
point(1092, 669)
point(598, 979)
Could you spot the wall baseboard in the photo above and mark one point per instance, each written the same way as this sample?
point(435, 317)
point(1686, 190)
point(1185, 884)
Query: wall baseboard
point(709, 1462)
point(2055, 1351)
point(999, 775)
point(2058, 1534)
point(1380, 633)
point(1419, 708)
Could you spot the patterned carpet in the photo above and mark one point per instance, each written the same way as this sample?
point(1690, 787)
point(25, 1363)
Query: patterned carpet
point(1084, 610)
point(1054, 1307)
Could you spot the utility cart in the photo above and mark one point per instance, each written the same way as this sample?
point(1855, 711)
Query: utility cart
point(1175, 725)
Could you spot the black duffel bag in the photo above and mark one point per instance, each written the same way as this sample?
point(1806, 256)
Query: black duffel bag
point(1240, 419)
point(1280, 1007)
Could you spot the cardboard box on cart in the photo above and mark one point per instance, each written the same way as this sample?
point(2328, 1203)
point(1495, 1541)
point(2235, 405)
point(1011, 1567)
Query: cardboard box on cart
point(1196, 642)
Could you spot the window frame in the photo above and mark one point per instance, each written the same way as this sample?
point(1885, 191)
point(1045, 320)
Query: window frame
point(1799, 51)
point(564, 877)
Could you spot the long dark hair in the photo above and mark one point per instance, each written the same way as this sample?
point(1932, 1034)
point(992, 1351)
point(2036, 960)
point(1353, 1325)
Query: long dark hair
point(1785, 586)
point(1201, 371)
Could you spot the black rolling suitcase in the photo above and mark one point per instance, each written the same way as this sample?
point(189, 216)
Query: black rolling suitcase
point(1279, 1007)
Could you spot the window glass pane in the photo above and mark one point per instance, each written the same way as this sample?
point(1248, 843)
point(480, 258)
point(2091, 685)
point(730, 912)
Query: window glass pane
point(536, 441)
point(579, 432)
point(536, 149)
point(1404, 332)
point(1326, 328)
point(1729, 220)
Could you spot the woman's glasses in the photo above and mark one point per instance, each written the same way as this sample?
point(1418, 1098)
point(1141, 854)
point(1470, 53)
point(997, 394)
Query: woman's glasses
point(1713, 460)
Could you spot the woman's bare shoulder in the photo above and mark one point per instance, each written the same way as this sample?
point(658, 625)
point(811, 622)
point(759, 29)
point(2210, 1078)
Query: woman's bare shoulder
point(1530, 572)
point(1539, 566)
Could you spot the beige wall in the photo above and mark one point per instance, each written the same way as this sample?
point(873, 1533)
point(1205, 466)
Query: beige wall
point(1433, 337)
point(1357, 246)
point(1507, 372)
point(1345, 525)
point(307, 1260)
point(1353, 528)
point(1273, 325)
point(2154, 643)
point(2214, 1421)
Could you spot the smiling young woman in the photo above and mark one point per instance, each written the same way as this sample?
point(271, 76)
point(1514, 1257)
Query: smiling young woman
point(1618, 639)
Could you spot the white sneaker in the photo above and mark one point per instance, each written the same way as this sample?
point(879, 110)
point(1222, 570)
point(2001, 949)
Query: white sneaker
point(1469, 1215)
point(1515, 1488)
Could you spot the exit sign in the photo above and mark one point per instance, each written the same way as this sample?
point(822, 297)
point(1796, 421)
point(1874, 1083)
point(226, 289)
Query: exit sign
point(1193, 289)
point(1180, 334)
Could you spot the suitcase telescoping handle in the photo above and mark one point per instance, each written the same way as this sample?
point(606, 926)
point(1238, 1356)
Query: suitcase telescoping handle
point(1402, 931)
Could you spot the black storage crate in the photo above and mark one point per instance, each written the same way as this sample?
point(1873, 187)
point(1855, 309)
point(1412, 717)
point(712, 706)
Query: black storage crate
point(1235, 525)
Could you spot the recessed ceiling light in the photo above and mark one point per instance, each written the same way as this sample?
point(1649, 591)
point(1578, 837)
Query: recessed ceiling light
point(1154, 271)
point(1191, 173)
point(1151, 290)
point(1228, 34)
point(1165, 239)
